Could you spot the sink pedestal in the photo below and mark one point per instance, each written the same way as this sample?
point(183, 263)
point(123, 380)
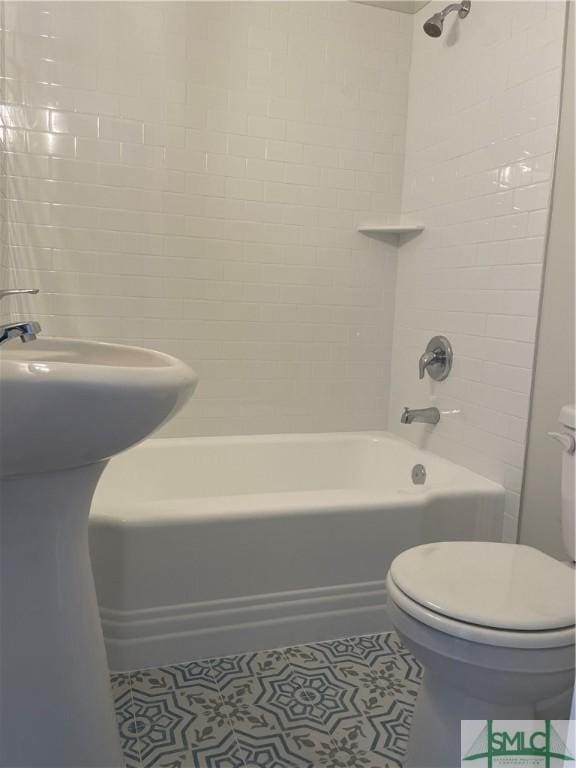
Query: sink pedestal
point(66, 406)
point(56, 707)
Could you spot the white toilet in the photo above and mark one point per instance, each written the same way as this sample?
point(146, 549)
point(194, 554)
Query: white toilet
point(492, 624)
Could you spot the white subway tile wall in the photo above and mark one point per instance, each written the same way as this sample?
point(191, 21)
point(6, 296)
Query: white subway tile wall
point(4, 263)
point(189, 176)
point(481, 136)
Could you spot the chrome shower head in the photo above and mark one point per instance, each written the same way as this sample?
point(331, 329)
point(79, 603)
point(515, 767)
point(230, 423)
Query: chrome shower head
point(434, 25)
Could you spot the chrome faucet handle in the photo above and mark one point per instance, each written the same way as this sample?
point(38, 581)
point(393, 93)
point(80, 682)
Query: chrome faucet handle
point(26, 331)
point(437, 359)
point(17, 291)
point(427, 359)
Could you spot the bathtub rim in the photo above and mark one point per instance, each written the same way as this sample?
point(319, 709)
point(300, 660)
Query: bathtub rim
point(208, 508)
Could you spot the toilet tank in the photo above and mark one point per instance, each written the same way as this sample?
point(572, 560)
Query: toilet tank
point(567, 438)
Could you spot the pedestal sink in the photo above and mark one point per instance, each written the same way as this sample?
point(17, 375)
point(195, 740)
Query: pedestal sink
point(66, 407)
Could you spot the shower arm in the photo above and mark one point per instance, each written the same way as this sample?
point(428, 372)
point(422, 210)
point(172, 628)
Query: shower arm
point(452, 7)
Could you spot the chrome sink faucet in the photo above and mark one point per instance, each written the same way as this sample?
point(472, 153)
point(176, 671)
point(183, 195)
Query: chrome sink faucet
point(26, 330)
point(423, 415)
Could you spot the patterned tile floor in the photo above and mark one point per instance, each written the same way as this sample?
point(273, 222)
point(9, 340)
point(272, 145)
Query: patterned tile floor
point(339, 704)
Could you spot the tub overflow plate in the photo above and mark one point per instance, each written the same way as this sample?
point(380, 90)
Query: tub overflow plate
point(418, 474)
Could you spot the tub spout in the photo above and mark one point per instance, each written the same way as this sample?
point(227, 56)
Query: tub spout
point(423, 415)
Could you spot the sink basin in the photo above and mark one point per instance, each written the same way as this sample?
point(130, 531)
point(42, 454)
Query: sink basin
point(67, 403)
point(66, 407)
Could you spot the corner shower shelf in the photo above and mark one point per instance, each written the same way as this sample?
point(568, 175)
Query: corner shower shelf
point(379, 230)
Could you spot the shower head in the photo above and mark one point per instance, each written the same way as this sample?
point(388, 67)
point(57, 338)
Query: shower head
point(433, 26)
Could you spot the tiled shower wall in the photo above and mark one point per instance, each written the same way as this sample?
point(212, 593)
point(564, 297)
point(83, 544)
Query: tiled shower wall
point(188, 176)
point(4, 264)
point(482, 122)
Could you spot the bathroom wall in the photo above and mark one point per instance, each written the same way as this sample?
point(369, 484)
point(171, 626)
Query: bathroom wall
point(481, 132)
point(189, 176)
point(4, 268)
point(554, 365)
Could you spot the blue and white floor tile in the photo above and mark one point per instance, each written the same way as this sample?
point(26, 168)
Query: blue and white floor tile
point(339, 704)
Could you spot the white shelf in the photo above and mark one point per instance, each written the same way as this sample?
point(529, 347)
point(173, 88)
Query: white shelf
point(379, 230)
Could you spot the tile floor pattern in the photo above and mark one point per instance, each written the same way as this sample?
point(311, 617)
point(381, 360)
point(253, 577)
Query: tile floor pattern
point(339, 704)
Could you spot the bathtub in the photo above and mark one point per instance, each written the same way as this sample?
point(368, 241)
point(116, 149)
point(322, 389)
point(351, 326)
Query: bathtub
point(212, 546)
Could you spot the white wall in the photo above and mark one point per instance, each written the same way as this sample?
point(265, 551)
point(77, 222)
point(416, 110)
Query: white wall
point(481, 134)
point(554, 366)
point(4, 265)
point(188, 176)
point(191, 176)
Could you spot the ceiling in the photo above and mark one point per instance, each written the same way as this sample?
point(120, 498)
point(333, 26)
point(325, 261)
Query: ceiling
point(404, 6)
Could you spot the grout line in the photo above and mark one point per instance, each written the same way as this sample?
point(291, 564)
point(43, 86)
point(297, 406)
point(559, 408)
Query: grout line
point(134, 719)
point(230, 725)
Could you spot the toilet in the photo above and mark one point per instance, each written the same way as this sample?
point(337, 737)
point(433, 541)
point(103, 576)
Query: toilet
point(492, 624)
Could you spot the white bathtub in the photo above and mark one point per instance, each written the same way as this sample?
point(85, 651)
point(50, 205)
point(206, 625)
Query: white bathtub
point(211, 546)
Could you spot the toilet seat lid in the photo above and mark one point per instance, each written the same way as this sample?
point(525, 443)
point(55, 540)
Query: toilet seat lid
point(503, 586)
